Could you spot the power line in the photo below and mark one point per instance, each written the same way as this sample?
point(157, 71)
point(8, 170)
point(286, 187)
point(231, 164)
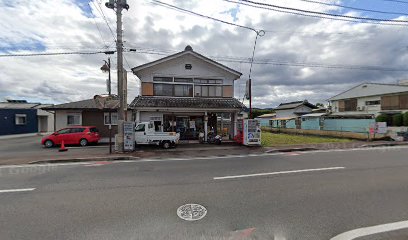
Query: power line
point(94, 21)
point(354, 8)
point(398, 1)
point(310, 15)
point(100, 10)
point(290, 64)
point(55, 54)
point(326, 14)
point(200, 15)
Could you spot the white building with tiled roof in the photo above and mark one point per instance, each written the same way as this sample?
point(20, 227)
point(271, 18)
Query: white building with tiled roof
point(187, 92)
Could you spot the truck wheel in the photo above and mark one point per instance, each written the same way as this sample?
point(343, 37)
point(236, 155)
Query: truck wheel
point(166, 145)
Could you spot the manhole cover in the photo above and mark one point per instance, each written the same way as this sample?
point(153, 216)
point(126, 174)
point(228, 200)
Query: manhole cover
point(191, 212)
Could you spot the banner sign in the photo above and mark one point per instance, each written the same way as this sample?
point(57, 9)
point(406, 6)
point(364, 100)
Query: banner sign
point(128, 136)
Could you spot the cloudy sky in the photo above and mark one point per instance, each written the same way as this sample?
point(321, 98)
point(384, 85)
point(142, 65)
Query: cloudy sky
point(298, 58)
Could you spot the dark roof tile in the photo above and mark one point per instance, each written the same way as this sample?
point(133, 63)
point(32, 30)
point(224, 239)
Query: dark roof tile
point(190, 102)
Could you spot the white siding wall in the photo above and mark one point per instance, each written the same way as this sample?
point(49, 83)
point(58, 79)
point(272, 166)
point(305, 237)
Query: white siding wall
point(145, 116)
point(61, 118)
point(176, 68)
point(290, 113)
point(361, 103)
point(50, 121)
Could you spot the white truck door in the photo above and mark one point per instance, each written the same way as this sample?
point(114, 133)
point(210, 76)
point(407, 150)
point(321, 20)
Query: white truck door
point(140, 134)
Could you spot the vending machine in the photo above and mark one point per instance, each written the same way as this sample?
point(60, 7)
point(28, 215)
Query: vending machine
point(249, 132)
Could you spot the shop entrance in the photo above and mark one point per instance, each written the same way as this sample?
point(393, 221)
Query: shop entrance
point(189, 127)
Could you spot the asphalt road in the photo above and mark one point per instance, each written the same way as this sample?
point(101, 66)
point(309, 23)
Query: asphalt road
point(311, 195)
point(27, 149)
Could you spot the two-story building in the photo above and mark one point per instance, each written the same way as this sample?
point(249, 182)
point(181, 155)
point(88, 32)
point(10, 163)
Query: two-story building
point(188, 93)
point(371, 99)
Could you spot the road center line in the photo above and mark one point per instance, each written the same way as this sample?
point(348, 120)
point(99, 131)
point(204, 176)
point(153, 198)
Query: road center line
point(281, 172)
point(361, 232)
point(17, 190)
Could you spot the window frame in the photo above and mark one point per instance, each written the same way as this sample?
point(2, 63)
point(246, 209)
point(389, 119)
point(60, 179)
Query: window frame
point(79, 115)
point(205, 85)
point(106, 117)
point(20, 116)
point(373, 103)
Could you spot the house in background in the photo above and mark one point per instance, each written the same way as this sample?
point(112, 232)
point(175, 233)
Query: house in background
point(288, 114)
point(90, 112)
point(187, 92)
point(265, 119)
point(368, 100)
point(21, 117)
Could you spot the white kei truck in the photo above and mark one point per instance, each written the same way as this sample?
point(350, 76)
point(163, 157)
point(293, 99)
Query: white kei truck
point(145, 134)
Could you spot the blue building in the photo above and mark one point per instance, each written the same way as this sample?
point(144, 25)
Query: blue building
point(20, 117)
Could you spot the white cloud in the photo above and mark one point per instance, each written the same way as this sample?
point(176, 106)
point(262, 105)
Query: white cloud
point(61, 25)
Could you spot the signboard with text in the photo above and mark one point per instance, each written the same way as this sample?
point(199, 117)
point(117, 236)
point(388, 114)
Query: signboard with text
point(128, 136)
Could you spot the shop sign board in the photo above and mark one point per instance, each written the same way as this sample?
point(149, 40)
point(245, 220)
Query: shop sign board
point(128, 136)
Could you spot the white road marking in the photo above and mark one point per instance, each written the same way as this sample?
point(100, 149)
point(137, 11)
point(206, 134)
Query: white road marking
point(361, 232)
point(281, 172)
point(17, 190)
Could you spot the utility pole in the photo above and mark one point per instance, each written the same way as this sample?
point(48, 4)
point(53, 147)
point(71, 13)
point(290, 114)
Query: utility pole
point(259, 33)
point(107, 68)
point(119, 5)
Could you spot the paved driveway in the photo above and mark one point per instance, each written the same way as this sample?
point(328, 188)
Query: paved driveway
point(27, 149)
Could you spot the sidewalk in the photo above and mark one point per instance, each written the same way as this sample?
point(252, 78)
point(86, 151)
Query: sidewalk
point(101, 152)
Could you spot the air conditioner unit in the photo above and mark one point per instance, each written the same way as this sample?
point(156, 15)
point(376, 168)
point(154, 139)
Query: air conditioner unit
point(359, 108)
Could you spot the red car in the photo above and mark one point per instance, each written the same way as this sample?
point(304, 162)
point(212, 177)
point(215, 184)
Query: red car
point(82, 135)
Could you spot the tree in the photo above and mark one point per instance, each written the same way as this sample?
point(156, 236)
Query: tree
point(405, 119)
point(319, 105)
point(397, 120)
point(382, 118)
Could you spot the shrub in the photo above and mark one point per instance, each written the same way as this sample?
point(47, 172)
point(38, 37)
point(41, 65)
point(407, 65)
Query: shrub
point(405, 119)
point(382, 118)
point(397, 120)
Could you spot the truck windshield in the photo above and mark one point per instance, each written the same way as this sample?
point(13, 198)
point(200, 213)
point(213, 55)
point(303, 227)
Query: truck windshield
point(140, 128)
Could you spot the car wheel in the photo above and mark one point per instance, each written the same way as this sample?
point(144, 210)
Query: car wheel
point(83, 142)
point(48, 144)
point(166, 145)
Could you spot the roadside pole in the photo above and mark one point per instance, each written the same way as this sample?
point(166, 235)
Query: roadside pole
point(119, 5)
point(107, 68)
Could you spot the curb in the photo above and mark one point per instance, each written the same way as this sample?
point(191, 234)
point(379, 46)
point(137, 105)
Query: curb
point(291, 150)
point(304, 149)
point(87, 159)
point(385, 145)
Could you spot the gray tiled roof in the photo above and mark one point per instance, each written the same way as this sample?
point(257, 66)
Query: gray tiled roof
point(189, 102)
point(85, 104)
point(292, 105)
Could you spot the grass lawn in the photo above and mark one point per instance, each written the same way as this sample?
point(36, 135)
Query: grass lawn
point(274, 139)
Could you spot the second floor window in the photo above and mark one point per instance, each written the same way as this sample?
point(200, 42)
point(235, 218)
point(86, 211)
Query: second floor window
point(183, 90)
point(160, 89)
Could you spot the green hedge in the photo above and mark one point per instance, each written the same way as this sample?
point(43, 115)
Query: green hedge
point(397, 120)
point(382, 118)
point(405, 119)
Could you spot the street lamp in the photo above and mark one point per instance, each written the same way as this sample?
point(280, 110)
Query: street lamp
point(259, 33)
point(106, 68)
